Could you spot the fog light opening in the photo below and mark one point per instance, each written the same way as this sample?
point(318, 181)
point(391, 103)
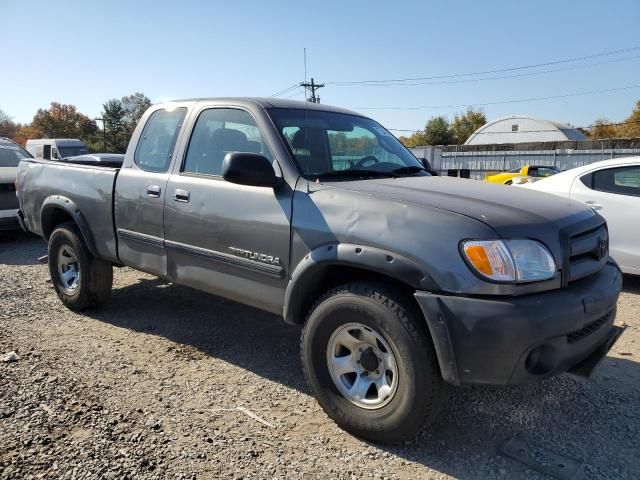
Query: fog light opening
point(541, 360)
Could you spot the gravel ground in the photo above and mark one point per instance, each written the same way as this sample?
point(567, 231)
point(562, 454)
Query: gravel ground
point(150, 386)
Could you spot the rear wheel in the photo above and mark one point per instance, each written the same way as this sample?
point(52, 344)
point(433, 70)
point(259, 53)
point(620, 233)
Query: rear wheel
point(80, 280)
point(370, 363)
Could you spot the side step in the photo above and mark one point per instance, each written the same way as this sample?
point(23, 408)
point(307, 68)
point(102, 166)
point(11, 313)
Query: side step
point(44, 259)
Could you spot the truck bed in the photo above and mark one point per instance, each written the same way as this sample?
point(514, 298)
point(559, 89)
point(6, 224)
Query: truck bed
point(77, 188)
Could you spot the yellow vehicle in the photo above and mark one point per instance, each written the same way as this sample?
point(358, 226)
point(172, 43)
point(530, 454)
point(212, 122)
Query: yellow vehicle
point(534, 171)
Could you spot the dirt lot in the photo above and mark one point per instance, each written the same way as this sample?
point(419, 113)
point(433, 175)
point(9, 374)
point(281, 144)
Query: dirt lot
point(150, 385)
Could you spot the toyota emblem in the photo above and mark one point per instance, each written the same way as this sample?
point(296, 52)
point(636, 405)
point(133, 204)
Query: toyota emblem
point(603, 247)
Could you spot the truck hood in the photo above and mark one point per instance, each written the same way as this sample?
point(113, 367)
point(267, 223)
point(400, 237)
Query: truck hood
point(504, 208)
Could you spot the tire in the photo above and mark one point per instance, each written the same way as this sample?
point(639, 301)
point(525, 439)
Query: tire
point(419, 393)
point(94, 277)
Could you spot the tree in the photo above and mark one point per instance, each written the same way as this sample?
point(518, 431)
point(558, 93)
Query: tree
point(7, 125)
point(4, 117)
point(602, 128)
point(134, 105)
point(114, 124)
point(438, 131)
point(61, 121)
point(120, 119)
point(27, 132)
point(631, 127)
point(416, 139)
point(465, 124)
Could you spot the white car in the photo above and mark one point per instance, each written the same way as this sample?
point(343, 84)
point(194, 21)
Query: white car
point(612, 188)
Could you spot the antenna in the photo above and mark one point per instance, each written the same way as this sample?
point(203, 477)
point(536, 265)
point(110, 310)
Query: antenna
point(311, 87)
point(306, 121)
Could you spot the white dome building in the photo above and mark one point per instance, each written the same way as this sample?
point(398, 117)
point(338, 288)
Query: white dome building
point(521, 129)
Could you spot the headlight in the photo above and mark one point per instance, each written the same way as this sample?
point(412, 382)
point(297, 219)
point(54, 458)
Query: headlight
point(510, 260)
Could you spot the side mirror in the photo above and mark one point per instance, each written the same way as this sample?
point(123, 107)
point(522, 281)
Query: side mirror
point(427, 167)
point(246, 168)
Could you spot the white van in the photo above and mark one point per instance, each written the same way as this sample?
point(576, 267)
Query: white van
point(56, 148)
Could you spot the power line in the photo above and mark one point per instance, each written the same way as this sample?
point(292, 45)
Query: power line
point(500, 77)
point(485, 72)
point(286, 90)
point(501, 102)
point(588, 127)
point(301, 92)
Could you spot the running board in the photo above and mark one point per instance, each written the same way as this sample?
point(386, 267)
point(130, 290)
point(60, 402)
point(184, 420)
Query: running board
point(43, 259)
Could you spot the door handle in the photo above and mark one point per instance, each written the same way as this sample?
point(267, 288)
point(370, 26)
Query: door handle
point(181, 195)
point(594, 205)
point(153, 191)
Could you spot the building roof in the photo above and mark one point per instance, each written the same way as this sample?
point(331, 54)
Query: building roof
point(535, 130)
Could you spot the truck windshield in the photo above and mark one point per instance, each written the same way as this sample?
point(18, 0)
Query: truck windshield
point(330, 144)
point(72, 151)
point(10, 155)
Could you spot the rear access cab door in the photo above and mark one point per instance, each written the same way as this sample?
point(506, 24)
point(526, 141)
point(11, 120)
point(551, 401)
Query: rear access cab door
point(140, 191)
point(228, 239)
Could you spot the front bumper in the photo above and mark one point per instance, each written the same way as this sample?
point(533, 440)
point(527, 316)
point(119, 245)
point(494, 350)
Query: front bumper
point(9, 219)
point(514, 340)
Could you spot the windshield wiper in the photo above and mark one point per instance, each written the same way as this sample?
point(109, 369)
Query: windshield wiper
point(357, 173)
point(408, 170)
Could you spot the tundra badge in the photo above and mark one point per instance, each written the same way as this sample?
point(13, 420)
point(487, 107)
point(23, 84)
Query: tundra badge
point(260, 257)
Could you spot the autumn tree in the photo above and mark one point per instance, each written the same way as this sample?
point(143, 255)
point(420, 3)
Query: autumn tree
point(63, 121)
point(631, 126)
point(464, 124)
point(416, 139)
point(26, 132)
point(603, 128)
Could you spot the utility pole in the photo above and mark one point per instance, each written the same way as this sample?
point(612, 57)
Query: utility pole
point(312, 87)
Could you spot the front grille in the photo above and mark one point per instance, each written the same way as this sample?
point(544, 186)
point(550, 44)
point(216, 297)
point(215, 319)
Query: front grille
point(578, 335)
point(588, 252)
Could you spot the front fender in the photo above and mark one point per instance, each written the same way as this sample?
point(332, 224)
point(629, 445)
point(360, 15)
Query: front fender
point(59, 202)
point(372, 259)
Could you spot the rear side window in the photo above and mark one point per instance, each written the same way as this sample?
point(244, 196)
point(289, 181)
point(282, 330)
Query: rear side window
point(158, 139)
point(219, 131)
point(620, 180)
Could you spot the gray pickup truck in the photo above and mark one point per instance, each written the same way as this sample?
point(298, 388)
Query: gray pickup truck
point(404, 283)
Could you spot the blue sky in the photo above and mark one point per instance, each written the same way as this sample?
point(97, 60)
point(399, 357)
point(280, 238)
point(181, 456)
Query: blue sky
point(85, 52)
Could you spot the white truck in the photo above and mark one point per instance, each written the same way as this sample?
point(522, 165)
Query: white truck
point(56, 148)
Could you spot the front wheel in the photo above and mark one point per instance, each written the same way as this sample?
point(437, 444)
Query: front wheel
point(80, 280)
point(370, 363)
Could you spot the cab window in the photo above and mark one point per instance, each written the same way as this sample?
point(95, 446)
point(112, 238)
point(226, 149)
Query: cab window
point(219, 131)
point(158, 139)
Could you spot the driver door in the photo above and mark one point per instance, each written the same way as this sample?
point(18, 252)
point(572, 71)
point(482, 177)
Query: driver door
point(227, 239)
